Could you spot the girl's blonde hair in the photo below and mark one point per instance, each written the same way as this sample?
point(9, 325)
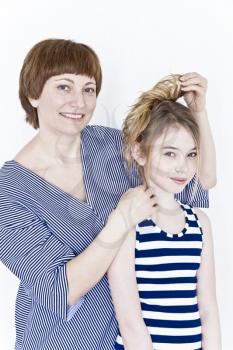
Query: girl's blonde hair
point(155, 112)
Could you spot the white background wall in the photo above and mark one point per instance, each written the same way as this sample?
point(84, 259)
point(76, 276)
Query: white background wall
point(138, 42)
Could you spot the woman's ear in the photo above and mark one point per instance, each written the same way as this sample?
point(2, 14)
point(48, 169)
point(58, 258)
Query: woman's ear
point(138, 154)
point(34, 102)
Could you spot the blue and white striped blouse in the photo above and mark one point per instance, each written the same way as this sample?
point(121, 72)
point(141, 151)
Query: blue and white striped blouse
point(166, 270)
point(42, 227)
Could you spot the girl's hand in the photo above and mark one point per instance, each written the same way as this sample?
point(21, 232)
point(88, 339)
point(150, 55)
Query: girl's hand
point(194, 87)
point(135, 205)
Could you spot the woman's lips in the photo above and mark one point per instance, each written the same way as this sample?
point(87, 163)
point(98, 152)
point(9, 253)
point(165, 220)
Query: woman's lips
point(178, 180)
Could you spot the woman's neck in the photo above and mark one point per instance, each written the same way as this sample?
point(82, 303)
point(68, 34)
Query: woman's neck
point(65, 149)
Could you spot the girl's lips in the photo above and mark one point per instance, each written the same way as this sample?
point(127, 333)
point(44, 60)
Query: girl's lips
point(179, 181)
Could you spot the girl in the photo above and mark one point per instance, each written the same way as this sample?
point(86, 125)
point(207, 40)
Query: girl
point(170, 303)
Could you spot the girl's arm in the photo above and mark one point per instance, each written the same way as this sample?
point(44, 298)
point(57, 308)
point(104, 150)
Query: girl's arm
point(207, 291)
point(123, 285)
point(194, 87)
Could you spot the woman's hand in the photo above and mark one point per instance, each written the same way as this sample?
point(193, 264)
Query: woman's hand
point(135, 205)
point(194, 87)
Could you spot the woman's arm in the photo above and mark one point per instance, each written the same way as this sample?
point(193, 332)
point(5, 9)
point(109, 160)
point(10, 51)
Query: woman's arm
point(86, 270)
point(207, 291)
point(49, 270)
point(194, 87)
point(123, 285)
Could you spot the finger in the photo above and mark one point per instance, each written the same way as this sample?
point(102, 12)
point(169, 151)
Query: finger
point(154, 202)
point(150, 192)
point(195, 81)
point(187, 76)
point(194, 88)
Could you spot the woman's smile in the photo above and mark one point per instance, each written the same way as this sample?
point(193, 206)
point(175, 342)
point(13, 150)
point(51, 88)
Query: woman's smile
point(67, 97)
point(72, 116)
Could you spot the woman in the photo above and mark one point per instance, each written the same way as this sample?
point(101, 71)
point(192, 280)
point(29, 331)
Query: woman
point(59, 229)
point(162, 280)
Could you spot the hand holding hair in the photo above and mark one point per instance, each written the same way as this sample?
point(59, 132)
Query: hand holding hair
point(194, 87)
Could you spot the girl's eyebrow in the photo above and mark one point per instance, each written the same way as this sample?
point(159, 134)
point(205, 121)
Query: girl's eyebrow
point(175, 148)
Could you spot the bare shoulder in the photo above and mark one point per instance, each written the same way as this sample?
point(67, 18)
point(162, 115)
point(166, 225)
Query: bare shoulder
point(204, 220)
point(202, 216)
point(32, 158)
point(26, 155)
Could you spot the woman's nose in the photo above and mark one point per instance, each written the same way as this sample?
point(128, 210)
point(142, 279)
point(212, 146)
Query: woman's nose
point(77, 99)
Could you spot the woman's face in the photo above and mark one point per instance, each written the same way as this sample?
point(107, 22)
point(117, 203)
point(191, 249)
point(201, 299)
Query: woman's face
point(66, 103)
point(173, 161)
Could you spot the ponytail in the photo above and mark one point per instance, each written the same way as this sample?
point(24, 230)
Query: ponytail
point(139, 117)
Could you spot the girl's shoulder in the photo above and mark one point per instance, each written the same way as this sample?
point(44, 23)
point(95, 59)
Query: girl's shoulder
point(203, 219)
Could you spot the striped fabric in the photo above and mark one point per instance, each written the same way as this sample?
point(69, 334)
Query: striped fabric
point(166, 270)
point(43, 227)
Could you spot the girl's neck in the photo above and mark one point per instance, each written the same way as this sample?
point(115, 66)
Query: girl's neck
point(167, 205)
point(166, 202)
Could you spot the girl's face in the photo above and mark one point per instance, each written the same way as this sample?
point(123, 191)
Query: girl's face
point(173, 161)
point(66, 103)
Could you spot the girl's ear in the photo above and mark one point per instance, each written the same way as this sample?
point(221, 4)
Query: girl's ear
point(34, 102)
point(138, 154)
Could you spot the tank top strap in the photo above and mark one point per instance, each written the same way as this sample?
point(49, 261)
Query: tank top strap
point(191, 216)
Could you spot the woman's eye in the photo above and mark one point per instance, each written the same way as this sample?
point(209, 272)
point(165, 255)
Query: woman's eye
point(192, 155)
point(90, 90)
point(63, 87)
point(170, 154)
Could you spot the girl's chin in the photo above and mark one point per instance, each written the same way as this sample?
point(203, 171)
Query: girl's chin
point(174, 189)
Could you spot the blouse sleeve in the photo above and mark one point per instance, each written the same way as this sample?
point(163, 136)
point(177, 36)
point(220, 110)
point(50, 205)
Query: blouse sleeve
point(31, 251)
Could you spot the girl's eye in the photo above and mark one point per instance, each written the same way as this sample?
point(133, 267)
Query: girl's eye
point(63, 87)
point(170, 154)
point(192, 155)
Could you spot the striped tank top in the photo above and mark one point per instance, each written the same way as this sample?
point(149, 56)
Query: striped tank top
point(166, 270)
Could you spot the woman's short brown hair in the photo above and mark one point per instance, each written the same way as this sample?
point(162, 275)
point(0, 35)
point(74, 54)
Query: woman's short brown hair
point(53, 57)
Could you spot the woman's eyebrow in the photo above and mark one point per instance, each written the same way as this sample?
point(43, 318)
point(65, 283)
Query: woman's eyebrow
point(70, 80)
point(91, 83)
point(175, 148)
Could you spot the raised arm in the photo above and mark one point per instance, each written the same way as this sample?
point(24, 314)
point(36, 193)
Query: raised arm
point(194, 87)
point(207, 291)
point(123, 285)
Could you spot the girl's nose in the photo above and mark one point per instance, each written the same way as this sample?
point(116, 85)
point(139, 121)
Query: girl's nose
point(181, 166)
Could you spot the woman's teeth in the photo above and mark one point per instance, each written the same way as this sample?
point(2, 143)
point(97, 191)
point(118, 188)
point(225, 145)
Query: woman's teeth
point(72, 115)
